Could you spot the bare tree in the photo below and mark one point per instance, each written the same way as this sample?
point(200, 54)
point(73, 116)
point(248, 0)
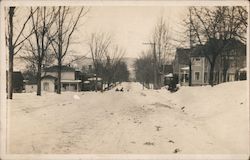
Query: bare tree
point(161, 49)
point(98, 45)
point(15, 44)
point(114, 58)
point(37, 48)
point(214, 28)
point(144, 69)
point(66, 24)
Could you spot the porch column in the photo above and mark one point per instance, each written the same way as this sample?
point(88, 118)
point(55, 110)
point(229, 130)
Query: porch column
point(184, 79)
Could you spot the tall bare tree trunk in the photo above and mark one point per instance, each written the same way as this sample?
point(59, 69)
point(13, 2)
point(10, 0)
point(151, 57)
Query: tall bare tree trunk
point(96, 81)
point(155, 68)
point(190, 73)
point(60, 41)
point(10, 76)
point(211, 74)
point(59, 77)
point(11, 54)
point(39, 75)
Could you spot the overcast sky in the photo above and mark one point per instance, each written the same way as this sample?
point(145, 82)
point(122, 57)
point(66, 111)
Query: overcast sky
point(129, 26)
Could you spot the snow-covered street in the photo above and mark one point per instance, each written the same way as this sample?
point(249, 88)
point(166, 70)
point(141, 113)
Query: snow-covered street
point(193, 120)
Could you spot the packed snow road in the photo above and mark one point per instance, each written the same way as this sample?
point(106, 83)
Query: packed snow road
point(196, 120)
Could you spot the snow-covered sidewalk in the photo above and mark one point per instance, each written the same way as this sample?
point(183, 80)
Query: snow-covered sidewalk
point(194, 120)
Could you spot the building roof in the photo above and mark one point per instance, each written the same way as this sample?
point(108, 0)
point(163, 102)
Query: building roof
point(182, 54)
point(18, 75)
point(30, 82)
point(168, 68)
point(197, 51)
point(56, 68)
point(48, 77)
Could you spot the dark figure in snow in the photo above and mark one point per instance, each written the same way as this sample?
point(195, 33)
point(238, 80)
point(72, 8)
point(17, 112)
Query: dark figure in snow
point(172, 86)
point(121, 89)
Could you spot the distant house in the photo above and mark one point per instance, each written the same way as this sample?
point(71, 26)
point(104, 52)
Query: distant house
point(232, 63)
point(180, 65)
point(199, 66)
point(229, 66)
point(69, 79)
point(18, 84)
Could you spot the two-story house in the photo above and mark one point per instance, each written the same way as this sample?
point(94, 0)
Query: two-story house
point(229, 65)
point(69, 79)
point(199, 67)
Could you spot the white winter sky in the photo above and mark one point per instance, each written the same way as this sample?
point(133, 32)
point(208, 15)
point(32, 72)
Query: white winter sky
point(129, 26)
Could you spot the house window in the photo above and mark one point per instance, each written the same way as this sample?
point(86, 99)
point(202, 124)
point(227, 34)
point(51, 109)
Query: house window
point(197, 62)
point(196, 76)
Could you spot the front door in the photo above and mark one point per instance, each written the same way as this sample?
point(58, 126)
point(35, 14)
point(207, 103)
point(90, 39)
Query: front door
point(46, 86)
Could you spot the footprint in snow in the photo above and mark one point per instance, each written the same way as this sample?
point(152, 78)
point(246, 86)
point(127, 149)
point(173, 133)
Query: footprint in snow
point(158, 128)
point(149, 143)
point(176, 150)
point(170, 141)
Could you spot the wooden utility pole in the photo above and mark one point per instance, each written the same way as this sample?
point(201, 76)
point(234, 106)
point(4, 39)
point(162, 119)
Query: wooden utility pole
point(191, 47)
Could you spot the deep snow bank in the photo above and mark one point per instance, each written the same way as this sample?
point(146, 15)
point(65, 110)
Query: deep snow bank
point(223, 109)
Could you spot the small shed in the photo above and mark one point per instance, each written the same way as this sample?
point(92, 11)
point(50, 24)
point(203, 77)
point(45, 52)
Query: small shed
point(30, 86)
point(48, 83)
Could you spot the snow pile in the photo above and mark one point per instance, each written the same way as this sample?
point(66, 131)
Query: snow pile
point(223, 109)
point(76, 97)
point(193, 120)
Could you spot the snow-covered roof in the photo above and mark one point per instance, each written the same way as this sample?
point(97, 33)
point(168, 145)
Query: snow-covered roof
point(185, 68)
point(243, 69)
point(70, 81)
point(86, 82)
point(93, 79)
point(169, 75)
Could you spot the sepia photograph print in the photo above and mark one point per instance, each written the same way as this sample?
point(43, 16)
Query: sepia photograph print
point(124, 80)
